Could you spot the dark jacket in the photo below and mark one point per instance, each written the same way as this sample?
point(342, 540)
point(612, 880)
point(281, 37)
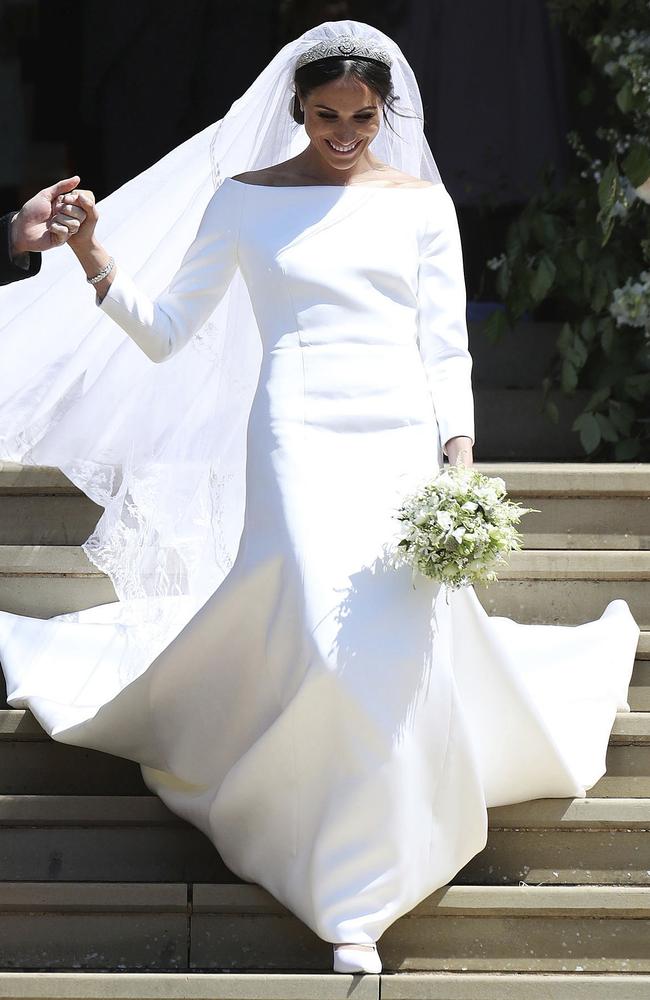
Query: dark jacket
point(9, 270)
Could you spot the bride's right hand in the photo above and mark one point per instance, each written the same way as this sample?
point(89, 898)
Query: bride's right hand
point(85, 235)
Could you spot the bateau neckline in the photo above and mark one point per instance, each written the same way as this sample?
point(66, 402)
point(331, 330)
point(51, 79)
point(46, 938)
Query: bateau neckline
point(330, 187)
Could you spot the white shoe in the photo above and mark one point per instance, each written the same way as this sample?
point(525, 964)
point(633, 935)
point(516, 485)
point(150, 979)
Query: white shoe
point(356, 958)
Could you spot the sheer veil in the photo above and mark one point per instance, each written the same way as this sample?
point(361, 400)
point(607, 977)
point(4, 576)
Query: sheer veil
point(162, 448)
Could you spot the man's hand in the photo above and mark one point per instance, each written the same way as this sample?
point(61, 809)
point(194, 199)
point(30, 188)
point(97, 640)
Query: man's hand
point(44, 221)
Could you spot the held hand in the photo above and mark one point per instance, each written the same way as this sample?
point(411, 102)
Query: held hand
point(43, 222)
point(84, 201)
point(459, 451)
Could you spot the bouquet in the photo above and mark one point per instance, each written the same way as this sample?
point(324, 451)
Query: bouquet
point(458, 528)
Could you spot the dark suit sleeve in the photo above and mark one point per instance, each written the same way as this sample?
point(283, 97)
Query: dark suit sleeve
point(9, 270)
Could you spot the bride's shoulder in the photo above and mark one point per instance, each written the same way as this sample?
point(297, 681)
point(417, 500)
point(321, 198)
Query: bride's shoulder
point(267, 176)
point(400, 179)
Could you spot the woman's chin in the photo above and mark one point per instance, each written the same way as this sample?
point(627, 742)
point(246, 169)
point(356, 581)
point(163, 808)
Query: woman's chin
point(341, 160)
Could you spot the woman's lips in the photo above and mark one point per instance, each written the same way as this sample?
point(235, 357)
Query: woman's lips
point(343, 152)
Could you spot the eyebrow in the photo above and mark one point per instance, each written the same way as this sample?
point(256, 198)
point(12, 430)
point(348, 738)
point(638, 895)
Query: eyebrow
point(368, 107)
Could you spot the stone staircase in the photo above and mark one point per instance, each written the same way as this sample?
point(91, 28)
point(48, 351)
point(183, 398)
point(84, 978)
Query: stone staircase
point(100, 880)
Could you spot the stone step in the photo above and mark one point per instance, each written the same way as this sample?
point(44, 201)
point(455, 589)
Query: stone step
point(102, 838)
point(512, 986)
point(201, 986)
point(639, 690)
point(325, 986)
point(600, 506)
point(457, 928)
point(569, 587)
point(130, 926)
point(136, 839)
point(555, 586)
point(40, 506)
point(572, 479)
point(33, 764)
point(588, 841)
point(68, 925)
point(581, 505)
point(47, 520)
point(46, 580)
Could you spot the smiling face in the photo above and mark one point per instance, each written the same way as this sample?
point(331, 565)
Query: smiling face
point(342, 117)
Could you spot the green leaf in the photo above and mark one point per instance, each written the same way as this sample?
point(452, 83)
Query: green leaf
point(568, 376)
point(589, 430)
point(625, 97)
point(600, 296)
point(607, 430)
point(542, 278)
point(607, 340)
point(496, 325)
point(636, 165)
point(503, 280)
point(576, 352)
point(514, 245)
point(625, 450)
point(607, 221)
point(638, 386)
point(582, 249)
point(588, 329)
point(608, 186)
point(621, 415)
point(599, 396)
point(545, 228)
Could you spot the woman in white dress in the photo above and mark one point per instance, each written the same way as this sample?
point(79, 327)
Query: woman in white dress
point(336, 731)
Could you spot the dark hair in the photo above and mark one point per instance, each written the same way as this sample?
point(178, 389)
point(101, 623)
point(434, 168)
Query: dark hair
point(375, 74)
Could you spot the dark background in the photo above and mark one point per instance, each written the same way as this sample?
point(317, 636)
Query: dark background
point(104, 88)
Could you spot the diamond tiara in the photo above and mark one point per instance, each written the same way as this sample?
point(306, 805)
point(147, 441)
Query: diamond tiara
point(344, 45)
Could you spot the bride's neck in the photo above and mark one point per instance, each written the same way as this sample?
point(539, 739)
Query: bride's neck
point(312, 165)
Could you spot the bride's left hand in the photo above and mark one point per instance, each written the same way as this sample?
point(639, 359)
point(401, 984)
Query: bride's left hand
point(459, 451)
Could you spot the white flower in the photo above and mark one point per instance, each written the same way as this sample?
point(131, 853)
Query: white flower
point(643, 191)
point(630, 305)
point(494, 263)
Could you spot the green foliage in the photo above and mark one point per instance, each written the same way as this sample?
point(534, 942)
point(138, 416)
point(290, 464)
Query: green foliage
point(582, 250)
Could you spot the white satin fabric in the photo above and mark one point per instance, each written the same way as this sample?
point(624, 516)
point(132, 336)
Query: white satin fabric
point(336, 730)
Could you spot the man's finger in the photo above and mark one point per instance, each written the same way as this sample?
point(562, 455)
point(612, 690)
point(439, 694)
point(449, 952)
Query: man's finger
point(61, 187)
point(60, 233)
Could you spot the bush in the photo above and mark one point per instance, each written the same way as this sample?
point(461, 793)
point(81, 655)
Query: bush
point(585, 250)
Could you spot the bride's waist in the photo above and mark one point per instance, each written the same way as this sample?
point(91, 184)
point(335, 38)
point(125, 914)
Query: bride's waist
point(350, 383)
point(349, 353)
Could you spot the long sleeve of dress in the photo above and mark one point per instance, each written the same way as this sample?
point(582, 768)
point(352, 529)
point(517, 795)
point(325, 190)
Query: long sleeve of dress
point(442, 324)
point(162, 326)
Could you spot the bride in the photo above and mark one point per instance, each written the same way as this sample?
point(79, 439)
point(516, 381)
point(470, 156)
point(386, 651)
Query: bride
point(337, 730)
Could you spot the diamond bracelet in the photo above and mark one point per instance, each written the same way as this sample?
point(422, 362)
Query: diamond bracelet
point(103, 273)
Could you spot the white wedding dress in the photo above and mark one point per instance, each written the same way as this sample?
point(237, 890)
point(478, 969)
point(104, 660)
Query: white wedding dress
point(334, 727)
